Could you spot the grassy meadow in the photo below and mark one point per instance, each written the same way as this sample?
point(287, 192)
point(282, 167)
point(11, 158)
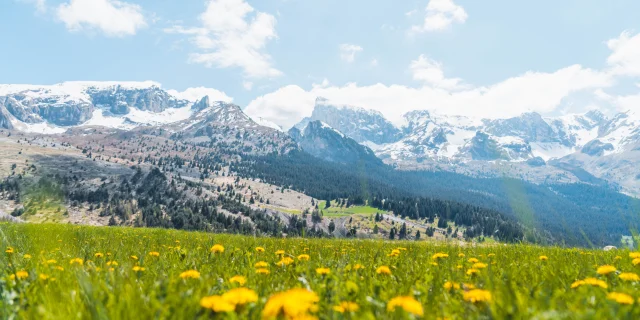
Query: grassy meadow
point(50, 271)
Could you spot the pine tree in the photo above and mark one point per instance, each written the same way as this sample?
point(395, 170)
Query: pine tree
point(418, 235)
point(392, 234)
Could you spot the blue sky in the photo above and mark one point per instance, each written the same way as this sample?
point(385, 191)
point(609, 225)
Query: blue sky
point(490, 58)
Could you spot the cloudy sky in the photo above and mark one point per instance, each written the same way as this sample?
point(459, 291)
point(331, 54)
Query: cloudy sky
point(494, 58)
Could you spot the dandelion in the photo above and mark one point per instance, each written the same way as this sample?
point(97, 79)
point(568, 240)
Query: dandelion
point(217, 248)
point(479, 265)
point(357, 266)
point(112, 263)
point(98, 255)
point(323, 271)
point(138, 269)
point(240, 280)
point(606, 269)
point(451, 285)
point(279, 252)
point(21, 275)
point(304, 257)
point(76, 261)
point(135, 258)
point(27, 256)
point(439, 255)
point(59, 268)
point(629, 276)
point(407, 303)
point(43, 277)
point(621, 298)
point(491, 255)
point(9, 250)
point(293, 303)
point(259, 249)
point(636, 261)
point(285, 261)
point(543, 258)
point(634, 255)
point(394, 253)
point(346, 306)
point(473, 260)
point(154, 254)
point(262, 271)
point(51, 261)
point(261, 264)
point(190, 274)
point(591, 282)
point(217, 304)
point(477, 295)
point(460, 255)
point(473, 272)
point(240, 296)
point(383, 270)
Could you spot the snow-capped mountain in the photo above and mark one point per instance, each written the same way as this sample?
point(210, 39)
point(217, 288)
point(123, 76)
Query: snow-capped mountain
point(364, 126)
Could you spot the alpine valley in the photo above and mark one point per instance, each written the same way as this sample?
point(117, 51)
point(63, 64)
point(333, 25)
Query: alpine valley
point(132, 153)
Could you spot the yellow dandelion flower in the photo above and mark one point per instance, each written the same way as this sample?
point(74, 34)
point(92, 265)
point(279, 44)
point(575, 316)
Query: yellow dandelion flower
point(261, 264)
point(51, 261)
point(59, 268)
point(240, 296)
point(292, 304)
point(357, 266)
point(279, 252)
point(346, 306)
point(9, 250)
point(439, 255)
point(43, 277)
point(472, 272)
point(636, 261)
point(394, 253)
point(473, 260)
point(190, 274)
point(133, 257)
point(621, 298)
point(76, 261)
point(217, 248)
point(477, 295)
point(589, 281)
point(383, 270)
point(21, 275)
point(217, 304)
point(629, 276)
point(479, 265)
point(259, 249)
point(459, 267)
point(451, 285)
point(240, 280)
point(285, 261)
point(634, 255)
point(460, 255)
point(262, 271)
point(407, 303)
point(304, 257)
point(112, 263)
point(491, 255)
point(434, 264)
point(98, 255)
point(138, 269)
point(27, 256)
point(154, 254)
point(617, 258)
point(468, 286)
point(543, 258)
point(606, 269)
point(323, 271)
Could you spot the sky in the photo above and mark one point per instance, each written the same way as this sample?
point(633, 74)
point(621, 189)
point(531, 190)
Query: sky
point(493, 58)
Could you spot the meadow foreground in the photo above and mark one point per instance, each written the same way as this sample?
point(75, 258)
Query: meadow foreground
point(73, 272)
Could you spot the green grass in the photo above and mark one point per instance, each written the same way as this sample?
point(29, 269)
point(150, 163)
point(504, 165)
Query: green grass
point(520, 284)
point(335, 211)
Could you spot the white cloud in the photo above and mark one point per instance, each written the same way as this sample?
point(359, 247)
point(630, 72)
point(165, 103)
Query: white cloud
point(40, 5)
point(247, 85)
point(112, 17)
point(229, 38)
point(532, 91)
point(440, 14)
point(348, 52)
point(625, 56)
point(430, 72)
point(197, 93)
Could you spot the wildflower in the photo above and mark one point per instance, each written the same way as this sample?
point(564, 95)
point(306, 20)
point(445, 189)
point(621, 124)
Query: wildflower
point(629, 276)
point(407, 303)
point(468, 286)
point(76, 261)
point(323, 271)
point(589, 281)
point(451, 285)
point(303, 257)
point(59, 268)
point(383, 270)
point(472, 272)
point(259, 249)
point(190, 274)
point(21, 275)
point(112, 263)
point(98, 255)
point(636, 261)
point(606, 269)
point(134, 258)
point(460, 255)
point(439, 255)
point(217, 248)
point(479, 265)
point(473, 260)
point(279, 252)
point(477, 295)
point(138, 269)
point(634, 255)
point(261, 264)
point(285, 261)
point(346, 306)
point(293, 303)
point(43, 277)
point(27, 256)
point(543, 258)
point(394, 253)
point(491, 255)
point(262, 271)
point(621, 298)
point(217, 304)
point(357, 266)
point(240, 296)
point(617, 258)
point(154, 253)
point(9, 250)
point(240, 280)
point(51, 261)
